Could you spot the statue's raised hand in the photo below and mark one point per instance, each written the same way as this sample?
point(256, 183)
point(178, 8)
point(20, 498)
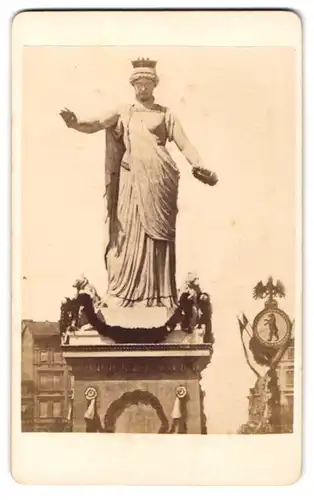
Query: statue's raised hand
point(69, 117)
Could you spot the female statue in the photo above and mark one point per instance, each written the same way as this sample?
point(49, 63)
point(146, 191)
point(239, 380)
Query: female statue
point(142, 189)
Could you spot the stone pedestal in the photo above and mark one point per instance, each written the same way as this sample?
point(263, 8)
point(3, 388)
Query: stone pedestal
point(138, 388)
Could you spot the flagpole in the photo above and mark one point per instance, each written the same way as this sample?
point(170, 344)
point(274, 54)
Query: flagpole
point(247, 321)
point(242, 328)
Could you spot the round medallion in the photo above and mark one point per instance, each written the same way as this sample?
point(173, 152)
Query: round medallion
point(181, 391)
point(272, 327)
point(90, 393)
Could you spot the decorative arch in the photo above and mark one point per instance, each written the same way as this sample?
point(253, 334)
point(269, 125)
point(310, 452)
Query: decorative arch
point(133, 398)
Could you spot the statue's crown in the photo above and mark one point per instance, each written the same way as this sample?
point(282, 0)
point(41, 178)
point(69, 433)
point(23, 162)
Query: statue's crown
point(144, 63)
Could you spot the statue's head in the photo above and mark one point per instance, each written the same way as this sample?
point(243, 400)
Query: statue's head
point(144, 78)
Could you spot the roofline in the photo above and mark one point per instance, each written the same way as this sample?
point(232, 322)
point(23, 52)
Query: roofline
point(28, 323)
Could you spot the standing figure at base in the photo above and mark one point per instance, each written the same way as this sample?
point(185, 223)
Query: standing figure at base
point(142, 190)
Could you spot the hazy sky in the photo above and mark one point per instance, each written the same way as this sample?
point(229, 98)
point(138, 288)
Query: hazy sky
point(237, 106)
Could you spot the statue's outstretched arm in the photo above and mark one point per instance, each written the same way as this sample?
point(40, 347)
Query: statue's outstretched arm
point(109, 119)
point(190, 153)
point(184, 145)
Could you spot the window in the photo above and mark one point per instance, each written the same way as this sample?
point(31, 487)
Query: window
point(56, 381)
point(71, 382)
point(27, 411)
point(50, 381)
point(57, 409)
point(43, 409)
point(45, 381)
point(43, 356)
point(57, 358)
point(289, 403)
point(289, 377)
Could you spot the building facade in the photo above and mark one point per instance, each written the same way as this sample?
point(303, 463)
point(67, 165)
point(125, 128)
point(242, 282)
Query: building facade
point(285, 373)
point(47, 384)
point(270, 402)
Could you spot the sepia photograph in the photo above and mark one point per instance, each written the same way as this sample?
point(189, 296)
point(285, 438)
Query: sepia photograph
point(159, 228)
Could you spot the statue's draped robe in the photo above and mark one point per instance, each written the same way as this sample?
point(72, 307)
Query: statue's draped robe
point(141, 190)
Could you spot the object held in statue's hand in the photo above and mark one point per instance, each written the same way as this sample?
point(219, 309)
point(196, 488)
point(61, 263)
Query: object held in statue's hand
point(205, 176)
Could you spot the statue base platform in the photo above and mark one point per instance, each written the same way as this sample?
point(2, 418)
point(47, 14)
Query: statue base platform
point(138, 316)
point(86, 336)
point(137, 388)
